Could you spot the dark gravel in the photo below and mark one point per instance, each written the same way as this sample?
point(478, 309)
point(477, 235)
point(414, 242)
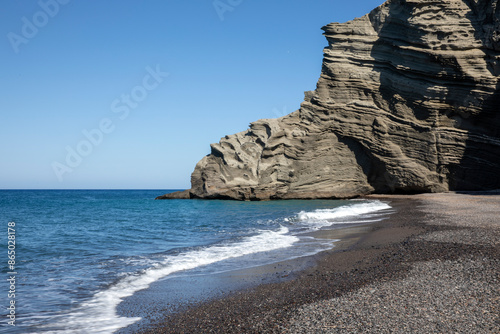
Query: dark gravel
point(432, 268)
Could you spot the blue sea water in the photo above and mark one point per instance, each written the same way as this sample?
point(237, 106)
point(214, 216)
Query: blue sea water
point(80, 253)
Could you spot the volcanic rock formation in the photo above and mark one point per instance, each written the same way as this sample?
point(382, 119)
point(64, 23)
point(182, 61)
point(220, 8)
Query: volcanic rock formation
point(408, 101)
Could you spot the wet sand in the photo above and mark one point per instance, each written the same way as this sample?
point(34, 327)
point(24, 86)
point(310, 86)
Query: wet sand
point(432, 267)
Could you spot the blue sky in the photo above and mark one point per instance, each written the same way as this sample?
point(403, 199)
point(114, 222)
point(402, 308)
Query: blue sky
point(125, 94)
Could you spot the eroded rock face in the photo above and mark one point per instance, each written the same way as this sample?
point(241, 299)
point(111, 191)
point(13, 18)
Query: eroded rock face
point(408, 101)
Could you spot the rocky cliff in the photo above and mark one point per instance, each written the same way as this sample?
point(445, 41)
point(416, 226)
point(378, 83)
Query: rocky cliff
point(408, 101)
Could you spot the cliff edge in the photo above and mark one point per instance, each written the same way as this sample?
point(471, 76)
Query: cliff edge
point(408, 101)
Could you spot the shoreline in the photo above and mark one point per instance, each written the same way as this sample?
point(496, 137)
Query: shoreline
point(329, 292)
point(177, 293)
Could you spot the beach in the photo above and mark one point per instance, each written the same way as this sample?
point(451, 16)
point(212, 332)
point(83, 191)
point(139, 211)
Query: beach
point(117, 261)
point(433, 266)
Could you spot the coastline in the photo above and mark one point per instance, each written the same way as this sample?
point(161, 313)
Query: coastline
point(395, 277)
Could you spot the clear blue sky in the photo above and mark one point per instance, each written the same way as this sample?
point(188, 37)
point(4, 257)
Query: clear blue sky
point(100, 67)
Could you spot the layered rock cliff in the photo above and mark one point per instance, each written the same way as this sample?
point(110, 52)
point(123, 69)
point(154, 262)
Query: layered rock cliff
point(408, 101)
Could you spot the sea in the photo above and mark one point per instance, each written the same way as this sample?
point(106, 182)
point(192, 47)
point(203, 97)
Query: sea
point(71, 257)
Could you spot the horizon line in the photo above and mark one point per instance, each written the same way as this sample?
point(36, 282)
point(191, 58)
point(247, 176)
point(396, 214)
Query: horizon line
point(93, 189)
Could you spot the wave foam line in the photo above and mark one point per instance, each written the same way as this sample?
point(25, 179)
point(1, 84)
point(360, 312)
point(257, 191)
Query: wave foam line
point(326, 217)
point(98, 315)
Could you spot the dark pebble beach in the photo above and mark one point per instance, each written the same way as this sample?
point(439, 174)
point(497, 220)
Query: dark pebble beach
point(432, 267)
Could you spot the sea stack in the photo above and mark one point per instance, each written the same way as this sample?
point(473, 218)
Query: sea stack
point(408, 101)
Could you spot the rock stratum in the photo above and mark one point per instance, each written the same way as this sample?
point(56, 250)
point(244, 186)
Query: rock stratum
point(408, 101)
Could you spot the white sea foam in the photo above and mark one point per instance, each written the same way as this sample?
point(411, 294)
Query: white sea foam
point(98, 315)
point(327, 217)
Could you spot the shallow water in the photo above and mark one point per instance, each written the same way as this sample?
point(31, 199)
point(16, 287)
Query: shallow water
point(80, 253)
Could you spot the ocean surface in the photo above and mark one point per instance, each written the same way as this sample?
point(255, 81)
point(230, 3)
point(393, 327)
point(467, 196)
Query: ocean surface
point(80, 253)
